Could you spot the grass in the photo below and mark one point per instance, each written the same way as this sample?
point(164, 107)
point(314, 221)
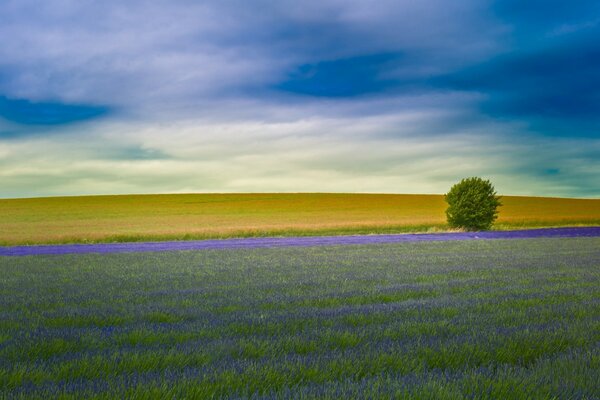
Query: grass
point(202, 216)
point(507, 319)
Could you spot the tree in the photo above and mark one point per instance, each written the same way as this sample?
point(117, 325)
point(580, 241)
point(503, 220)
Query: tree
point(472, 204)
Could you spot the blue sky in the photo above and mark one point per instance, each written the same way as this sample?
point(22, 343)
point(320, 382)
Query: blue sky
point(330, 96)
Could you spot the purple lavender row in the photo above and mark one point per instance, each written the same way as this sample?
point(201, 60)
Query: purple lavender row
point(593, 231)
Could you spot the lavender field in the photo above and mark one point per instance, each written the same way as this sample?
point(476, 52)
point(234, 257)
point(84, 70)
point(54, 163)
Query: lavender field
point(509, 319)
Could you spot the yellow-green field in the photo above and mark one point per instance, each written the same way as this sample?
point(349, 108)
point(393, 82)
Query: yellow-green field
point(202, 216)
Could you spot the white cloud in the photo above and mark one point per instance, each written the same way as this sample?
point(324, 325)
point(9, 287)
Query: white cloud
point(316, 154)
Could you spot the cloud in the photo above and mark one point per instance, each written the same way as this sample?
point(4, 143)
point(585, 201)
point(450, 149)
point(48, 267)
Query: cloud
point(147, 55)
point(317, 154)
point(328, 95)
point(341, 78)
point(533, 20)
point(555, 88)
point(26, 112)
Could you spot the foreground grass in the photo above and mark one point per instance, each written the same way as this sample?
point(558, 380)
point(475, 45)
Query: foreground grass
point(515, 319)
point(202, 216)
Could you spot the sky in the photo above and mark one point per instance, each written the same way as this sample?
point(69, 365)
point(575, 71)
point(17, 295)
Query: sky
point(386, 96)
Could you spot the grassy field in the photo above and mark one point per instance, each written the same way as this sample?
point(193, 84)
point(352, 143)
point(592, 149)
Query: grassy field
point(507, 319)
point(201, 216)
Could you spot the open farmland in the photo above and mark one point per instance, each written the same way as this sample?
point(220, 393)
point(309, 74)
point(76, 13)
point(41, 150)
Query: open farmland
point(203, 216)
point(510, 319)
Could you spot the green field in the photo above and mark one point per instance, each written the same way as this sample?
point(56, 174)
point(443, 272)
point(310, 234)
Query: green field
point(202, 216)
point(506, 319)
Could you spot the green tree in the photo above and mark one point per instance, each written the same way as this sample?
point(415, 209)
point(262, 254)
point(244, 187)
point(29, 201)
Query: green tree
point(472, 204)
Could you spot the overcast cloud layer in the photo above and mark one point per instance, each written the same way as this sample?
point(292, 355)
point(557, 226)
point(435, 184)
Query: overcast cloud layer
point(252, 96)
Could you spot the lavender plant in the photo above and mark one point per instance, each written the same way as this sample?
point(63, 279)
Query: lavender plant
point(510, 319)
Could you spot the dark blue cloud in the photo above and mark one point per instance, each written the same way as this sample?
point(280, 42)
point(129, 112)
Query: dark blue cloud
point(547, 76)
point(533, 19)
point(26, 112)
point(556, 88)
point(344, 77)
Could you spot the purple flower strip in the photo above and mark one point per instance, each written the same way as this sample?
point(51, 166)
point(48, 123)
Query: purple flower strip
point(245, 243)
